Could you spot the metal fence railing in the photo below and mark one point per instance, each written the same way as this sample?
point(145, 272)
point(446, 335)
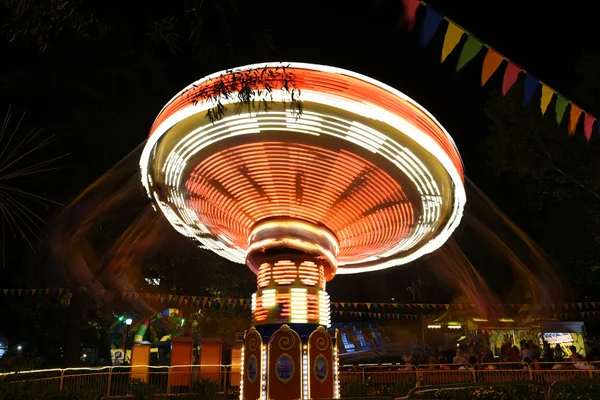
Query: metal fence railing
point(377, 380)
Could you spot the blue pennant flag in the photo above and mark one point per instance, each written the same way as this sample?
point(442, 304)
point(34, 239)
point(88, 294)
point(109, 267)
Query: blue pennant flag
point(430, 25)
point(531, 83)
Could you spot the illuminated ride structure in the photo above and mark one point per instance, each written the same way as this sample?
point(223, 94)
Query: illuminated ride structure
point(361, 180)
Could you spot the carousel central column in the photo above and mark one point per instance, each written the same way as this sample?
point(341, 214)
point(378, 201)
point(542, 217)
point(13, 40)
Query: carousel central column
point(288, 354)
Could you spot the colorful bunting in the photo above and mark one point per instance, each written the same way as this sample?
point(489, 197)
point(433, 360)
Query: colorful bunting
point(490, 64)
point(339, 307)
point(547, 94)
point(574, 116)
point(430, 25)
point(492, 61)
point(510, 77)
point(453, 36)
point(560, 108)
point(471, 48)
point(588, 123)
point(531, 83)
point(410, 12)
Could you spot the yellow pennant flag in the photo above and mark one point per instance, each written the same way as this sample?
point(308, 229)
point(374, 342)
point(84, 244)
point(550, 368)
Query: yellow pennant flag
point(453, 36)
point(547, 94)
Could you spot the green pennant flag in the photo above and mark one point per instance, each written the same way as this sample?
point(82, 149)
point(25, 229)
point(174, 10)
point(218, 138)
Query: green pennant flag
point(561, 107)
point(471, 48)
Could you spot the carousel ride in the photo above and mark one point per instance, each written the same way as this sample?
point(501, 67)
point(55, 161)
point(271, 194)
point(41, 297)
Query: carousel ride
point(356, 177)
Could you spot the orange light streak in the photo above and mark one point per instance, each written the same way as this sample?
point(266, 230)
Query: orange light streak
point(234, 206)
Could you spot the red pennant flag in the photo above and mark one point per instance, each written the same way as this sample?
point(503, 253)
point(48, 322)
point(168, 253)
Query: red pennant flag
point(46, 291)
point(410, 13)
point(510, 77)
point(19, 291)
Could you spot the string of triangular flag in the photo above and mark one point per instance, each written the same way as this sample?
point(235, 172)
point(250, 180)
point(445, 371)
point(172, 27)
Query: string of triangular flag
point(379, 315)
point(493, 60)
point(336, 305)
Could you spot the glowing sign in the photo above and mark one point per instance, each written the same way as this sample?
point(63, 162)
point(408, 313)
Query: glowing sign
point(556, 338)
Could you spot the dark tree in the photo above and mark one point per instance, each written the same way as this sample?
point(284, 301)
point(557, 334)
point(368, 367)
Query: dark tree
point(556, 188)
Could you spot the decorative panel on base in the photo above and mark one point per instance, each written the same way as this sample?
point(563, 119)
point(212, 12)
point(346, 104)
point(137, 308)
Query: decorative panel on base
point(291, 365)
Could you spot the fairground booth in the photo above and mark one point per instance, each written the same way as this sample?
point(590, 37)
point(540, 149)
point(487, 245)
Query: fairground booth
point(464, 326)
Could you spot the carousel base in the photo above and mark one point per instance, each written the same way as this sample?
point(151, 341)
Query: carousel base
point(282, 362)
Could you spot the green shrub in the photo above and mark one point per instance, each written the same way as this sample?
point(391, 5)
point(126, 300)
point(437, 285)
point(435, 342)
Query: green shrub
point(205, 389)
point(143, 390)
point(37, 390)
point(357, 388)
point(497, 392)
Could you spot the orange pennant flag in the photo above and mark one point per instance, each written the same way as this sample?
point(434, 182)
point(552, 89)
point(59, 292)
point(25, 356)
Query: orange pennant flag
point(490, 64)
point(453, 36)
point(547, 94)
point(574, 118)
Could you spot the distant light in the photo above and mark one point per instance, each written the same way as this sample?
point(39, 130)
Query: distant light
point(182, 321)
point(454, 327)
point(506, 320)
point(121, 318)
point(434, 326)
point(393, 299)
point(153, 281)
point(128, 321)
point(19, 347)
point(84, 356)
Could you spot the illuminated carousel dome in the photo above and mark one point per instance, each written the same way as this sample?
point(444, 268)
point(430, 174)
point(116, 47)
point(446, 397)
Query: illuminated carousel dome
point(363, 176)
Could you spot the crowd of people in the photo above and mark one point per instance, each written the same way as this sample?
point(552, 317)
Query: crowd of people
point(510, 357)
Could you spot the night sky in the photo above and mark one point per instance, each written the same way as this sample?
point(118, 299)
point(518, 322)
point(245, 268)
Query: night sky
point(545, 39)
